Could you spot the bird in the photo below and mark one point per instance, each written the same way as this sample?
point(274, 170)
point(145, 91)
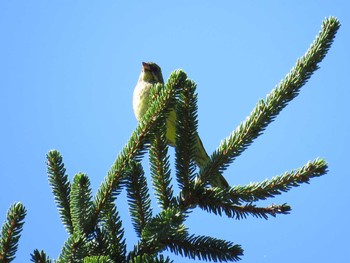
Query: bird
point(151, 74)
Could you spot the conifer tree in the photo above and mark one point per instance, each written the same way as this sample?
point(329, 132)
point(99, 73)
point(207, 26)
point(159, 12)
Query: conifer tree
point(95, 229)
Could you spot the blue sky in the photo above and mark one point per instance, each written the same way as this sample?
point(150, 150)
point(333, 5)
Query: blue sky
point(67, 73)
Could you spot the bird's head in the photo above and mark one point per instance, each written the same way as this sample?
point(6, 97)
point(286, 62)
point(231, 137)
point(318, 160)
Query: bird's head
point(151, 73)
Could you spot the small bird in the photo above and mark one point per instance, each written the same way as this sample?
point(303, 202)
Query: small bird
point(151, 74)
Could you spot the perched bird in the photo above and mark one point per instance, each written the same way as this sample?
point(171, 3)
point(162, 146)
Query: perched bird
point(151, 74)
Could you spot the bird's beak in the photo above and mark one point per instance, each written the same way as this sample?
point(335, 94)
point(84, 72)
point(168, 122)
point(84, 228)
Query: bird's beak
point(145, 66)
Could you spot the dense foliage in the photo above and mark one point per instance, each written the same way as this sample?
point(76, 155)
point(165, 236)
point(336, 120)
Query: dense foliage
point(94, 226)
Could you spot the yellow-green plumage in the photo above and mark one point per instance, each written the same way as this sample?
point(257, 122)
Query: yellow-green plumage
point(151, 74)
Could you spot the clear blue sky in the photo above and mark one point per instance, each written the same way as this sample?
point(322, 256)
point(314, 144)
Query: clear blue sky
point(67, 73)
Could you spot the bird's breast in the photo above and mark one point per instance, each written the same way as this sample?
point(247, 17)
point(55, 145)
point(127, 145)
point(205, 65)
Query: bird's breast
point(141, 98)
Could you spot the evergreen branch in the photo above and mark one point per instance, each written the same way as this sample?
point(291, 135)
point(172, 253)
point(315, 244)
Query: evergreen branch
point(114, 232)
point(186, 135)
point(95, 244)
point(214, 200)
point(40, 257)
point(81, 203)
point(74, 249)
point(135, 254)
point(167, 225)
point(242, 212)
point(95, 226)
point(138, 198)
point(139, 255)
point(206, 248)
point(11, 232)
point(266, 111)
point(137, 143)
point(98, 259)
point(150, 259)
point(278, 184)
point(58, 180)
point(106, 195)
point(218, 201)
point(221, 201)
point(160, 168)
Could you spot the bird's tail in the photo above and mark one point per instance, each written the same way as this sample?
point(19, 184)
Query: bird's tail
point(202, 158)
point(216, 180)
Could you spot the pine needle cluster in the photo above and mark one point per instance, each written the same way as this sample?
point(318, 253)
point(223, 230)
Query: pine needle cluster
point(95, 229)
